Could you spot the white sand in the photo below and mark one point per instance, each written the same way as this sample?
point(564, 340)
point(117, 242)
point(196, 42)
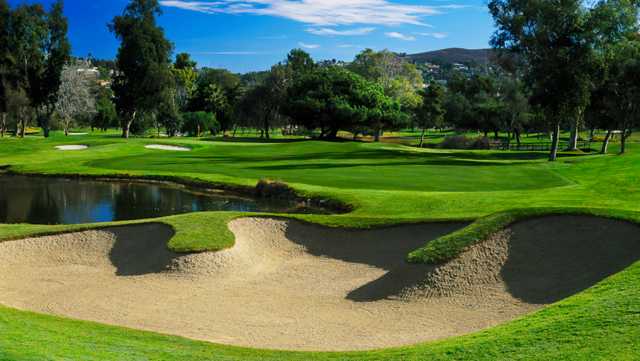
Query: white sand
point(72, 147)
point(167, 147)
point(290, 285)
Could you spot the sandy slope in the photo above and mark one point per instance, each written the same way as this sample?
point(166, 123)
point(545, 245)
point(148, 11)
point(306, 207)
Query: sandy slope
point(290, 285)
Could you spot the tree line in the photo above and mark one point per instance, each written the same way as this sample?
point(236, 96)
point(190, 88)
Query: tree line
point(562, 66)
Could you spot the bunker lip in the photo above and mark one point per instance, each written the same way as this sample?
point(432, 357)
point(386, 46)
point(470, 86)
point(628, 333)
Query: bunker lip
point(167, 147)
point(295, 286)
point(71, 147)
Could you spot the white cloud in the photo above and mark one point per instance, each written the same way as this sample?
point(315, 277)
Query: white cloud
point(435, 35)
point(401, 36)
point(316, 12)
point(308, 46)
point(344, 46)
point(334, 32)
point(227, 53)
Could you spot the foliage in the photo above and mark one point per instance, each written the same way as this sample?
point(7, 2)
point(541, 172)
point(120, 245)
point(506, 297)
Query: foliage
point(555, 41)
point(196, 122)
point(106, 115)
point(333, 99)
point(57, 55)
point(430, 114)
point(463, 142)
point(217, 91)
point(143, 61)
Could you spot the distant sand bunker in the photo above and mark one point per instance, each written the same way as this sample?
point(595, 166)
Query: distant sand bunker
point(167, 147)
point(290, 285)
point(72, 147)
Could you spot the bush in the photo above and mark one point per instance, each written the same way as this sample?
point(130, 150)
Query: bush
point(267, 188)
point(463, 142)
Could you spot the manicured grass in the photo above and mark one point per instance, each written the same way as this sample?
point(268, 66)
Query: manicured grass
point(386, 184)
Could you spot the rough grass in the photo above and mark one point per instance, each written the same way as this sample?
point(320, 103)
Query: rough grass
point(387, 184)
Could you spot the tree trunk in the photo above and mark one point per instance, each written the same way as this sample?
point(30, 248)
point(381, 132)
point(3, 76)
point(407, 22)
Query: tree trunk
point(23, 125)
point(422, 138)
point(516, 132)
point(266, 126)
point(126, 126)
point(591, 134)
point(623, 140)
point(495, 134)
point(555, 140)
point(66, 127)
point(3, 124)
point(573, 139)
point(605, 143)
point(376, 137)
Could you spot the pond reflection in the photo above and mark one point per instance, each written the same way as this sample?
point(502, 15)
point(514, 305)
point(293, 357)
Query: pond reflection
point(44, 200)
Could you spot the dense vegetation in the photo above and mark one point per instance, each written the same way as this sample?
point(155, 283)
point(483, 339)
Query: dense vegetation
point(548, 76)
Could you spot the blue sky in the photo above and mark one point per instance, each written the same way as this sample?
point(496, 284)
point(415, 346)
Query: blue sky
point(247, 35)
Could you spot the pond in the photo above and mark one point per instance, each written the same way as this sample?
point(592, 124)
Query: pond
point(46, 200)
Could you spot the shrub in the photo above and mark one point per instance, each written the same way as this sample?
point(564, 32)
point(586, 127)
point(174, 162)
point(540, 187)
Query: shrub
point(267, 188)
point(462, 142)
point(455, 142)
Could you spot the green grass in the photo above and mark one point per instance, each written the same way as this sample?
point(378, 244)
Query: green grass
point(386, 184)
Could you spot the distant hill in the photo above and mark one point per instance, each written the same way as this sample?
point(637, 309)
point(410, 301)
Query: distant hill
point(453, 55)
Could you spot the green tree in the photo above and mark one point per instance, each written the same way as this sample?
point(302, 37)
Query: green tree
point(57, 54)
point(28, 35)
point(332, 99)
point(106, 115)
point(261, 105)
point(217, 91)
point(431, 111)
point(143, 61)
point(184, 61)
point(6, 64)
point(300, 63)
point(185, 74)
point(515, 105)
point(555, 43)
point(195, 123)
point(399, 79)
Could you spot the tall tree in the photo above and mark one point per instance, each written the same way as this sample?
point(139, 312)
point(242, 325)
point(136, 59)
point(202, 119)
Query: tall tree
point(399, 79)
point(106, 115)
point(300, 62)
point(217, 91)
point(6, 64)
point(184, 61)
point(555, 43)
point(431, 112)
point(28, 35)
point(57, 54)
point(143, 61)
point(333, 98)
point(74, 97)
point(261, 105)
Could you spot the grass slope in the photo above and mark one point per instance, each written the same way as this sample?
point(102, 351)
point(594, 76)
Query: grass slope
point(387, 184)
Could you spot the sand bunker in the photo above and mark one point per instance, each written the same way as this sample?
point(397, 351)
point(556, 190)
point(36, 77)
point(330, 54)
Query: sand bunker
point(290, 285)
point(72, 147)
point(76, 134)
point(167, 147)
